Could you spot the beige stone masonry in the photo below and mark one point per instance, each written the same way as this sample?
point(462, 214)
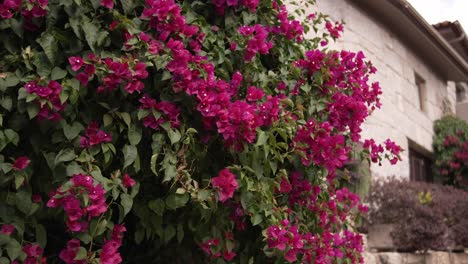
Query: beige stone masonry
point(400, 117)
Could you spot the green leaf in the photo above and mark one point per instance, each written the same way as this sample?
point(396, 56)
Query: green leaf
point(17, 26)
point(134, 135)
point(107, 119)
point(4, 260)
point(65, 155)
point(153, 164)
point(23, 202)
point(127, 202)
point(7, 103)
point(11, 80)
point(33, 110)
point(58, 74)
point(71, 132)
point(139, 235)
point(74, 168)
point(12, 136)
point(49, 45)
point(174, 136)
point(262, 138)
point(19, 180)
point(256, 219)
point(170, 172)
point(203, 195)
point(91, 32)
point(174, 201)
point(4, 239)
point(85, 237)
point(169, 233)
point(180, 233)
point(126, 118)
point(128, 6)
point(130, 155)
point(157, 206)
point(81, 254)
point(41, 235)
point(101, 227)
point(13, 249)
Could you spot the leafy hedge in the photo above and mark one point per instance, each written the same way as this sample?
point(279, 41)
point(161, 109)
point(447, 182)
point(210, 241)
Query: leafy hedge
point(425, 216)
point(188, 131)
point(450, 145)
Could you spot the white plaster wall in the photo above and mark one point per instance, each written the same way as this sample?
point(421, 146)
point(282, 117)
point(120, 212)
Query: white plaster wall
point(400, 117)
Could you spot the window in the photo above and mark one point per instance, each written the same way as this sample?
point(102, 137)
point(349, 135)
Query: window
point(421, 85)
point(460, 93)
point(420, 166)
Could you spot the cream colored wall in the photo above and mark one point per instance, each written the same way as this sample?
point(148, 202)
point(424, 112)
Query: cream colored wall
point(400, 117)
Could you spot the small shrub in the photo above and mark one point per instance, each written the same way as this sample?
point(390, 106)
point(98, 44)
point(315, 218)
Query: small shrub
point(426, 216)
point(450, 144)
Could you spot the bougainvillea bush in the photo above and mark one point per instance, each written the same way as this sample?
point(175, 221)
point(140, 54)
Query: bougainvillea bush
point(450, 145)
point(178, 132)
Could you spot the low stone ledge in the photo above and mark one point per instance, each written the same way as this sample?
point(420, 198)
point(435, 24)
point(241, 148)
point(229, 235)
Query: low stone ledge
point(432, 257)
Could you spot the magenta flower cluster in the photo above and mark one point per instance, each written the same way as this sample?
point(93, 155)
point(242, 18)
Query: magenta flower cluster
point(225, 183)
point(222, 5)
point(214, 249)
point(236, 120)
point(291, 29)
point(71, 196)
point(258, 41)
point(159, 113)
point(94, 136)
point(109, 252)
point(69, 254)
point(28, 9)
point(114, 73)
point(48, 99)
point(377, 150)
point(335, 29)
point(321, 145)
point(333, 243)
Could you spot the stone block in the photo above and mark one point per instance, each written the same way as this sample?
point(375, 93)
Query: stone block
point(379, 237)
point(438, 258)
point(370, 258)
point(410, 258)
point(390, 258)
point(460, 258)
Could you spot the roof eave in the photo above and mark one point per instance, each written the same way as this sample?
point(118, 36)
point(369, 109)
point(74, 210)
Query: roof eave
point(407, 23)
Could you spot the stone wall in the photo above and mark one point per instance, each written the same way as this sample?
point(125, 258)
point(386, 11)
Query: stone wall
point(435, 257)
point(372, 256)
point(400, 117)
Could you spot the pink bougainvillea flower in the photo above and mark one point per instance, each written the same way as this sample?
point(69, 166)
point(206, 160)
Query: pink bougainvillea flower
point(110, 253)
point(107, 3)
point(83, 78)
point(206, 246)
point(254, 94)
point(226, 183)
point(94, 136)
point(7, 229)
point(291, 255)
point(34, 254)
point(285, 185)
point(127, 181)
point(76, 62)
point(21, 163)
point(68, 254)
point(36, 198)
point(113, 25)
point(228, 255)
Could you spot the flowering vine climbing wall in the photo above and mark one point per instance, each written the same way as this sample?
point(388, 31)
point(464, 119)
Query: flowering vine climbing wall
point(178, 131)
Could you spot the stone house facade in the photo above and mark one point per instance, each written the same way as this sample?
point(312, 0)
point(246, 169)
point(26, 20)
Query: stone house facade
point(418, 70)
